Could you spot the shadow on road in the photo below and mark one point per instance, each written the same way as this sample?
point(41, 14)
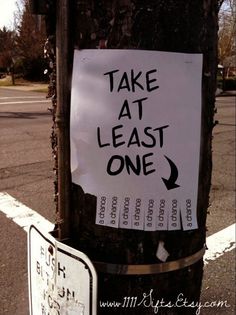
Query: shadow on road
point(24, 115)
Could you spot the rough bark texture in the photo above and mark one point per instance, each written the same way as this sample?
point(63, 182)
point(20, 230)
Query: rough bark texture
point(165, 25)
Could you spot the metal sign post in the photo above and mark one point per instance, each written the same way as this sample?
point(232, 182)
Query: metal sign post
point(62, 118)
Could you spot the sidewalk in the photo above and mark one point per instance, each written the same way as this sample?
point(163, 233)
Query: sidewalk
point(227, 93)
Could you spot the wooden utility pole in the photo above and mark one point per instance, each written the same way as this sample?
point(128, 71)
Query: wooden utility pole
point(126, 259)
point(176, 26)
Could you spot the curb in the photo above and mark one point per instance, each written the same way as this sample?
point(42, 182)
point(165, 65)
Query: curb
point(227, 93)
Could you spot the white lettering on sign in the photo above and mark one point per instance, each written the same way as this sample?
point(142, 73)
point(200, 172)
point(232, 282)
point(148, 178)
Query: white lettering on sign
point(135, 133)
point(62, 280)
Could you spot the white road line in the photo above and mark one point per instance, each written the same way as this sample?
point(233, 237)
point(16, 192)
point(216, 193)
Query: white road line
point(21, 214)
point(24, 102)
point(220, 243)
point(217, 244)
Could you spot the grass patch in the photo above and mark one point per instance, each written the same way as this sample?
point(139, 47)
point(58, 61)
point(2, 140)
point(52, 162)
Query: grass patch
point(27, 85)
point(6, 81)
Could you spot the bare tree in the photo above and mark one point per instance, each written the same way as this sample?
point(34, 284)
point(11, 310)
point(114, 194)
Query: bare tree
point(227, 32)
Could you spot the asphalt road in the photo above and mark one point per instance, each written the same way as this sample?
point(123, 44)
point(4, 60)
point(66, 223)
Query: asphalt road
point(26, 173)
point(219, 277)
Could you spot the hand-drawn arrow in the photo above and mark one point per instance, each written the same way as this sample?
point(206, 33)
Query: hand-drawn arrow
point(171, 182)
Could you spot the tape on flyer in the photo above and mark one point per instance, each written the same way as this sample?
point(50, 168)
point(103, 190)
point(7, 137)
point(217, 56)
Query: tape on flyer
point(149, 269)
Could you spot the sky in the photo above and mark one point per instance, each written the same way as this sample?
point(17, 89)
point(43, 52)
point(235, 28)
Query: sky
point(7, 8)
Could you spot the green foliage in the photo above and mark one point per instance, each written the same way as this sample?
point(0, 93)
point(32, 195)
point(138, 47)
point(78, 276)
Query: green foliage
point(6, 48)
point(30, 39)
point(33, 69)
point(230, 84)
